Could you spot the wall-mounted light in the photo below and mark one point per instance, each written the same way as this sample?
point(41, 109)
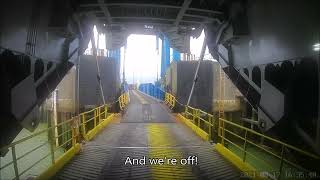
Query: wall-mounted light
point(193, 28)
point(316, 47)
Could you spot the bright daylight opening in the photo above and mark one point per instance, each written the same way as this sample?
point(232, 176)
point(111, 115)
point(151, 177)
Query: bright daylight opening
point(196, 45)
point(141, 60)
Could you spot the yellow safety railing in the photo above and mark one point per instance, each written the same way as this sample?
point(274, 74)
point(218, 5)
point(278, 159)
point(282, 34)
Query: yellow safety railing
point(52, 144)
point(62, 143)
point(257, 152)
point(124, 100)
point(201, 119)
point(92, 119)
point(262, 152)
point(170, 100)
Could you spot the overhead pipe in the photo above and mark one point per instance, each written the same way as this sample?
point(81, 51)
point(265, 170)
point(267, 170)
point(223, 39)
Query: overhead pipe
point(203, 49)
point(94, 50)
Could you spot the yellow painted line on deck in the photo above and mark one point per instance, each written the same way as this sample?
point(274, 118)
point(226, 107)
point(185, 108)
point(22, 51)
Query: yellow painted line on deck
point(141, 99)
point(160, 136)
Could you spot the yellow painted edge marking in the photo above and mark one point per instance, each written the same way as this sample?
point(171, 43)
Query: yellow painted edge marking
point(159, 135)
point(60, 162)
point(235, 160)
point(93, 132)
point(201, 133)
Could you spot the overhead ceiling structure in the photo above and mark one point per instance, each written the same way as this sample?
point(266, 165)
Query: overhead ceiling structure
point(268, 48)
point(40, 40)
point(178, 20)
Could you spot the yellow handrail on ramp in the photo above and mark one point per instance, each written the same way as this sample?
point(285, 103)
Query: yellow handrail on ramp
point(86, 125)
point(243, 146)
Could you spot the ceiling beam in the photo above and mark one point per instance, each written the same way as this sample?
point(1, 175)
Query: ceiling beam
point(205, 10)
point(150, 18)
point(205, 18)
point(146, 18)
point(185, 6)
point(105, 11)
point(148, 5)
point(208, 19)
point(141, 24)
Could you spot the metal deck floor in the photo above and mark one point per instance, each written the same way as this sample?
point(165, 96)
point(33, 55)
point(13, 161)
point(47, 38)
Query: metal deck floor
point(147, 128)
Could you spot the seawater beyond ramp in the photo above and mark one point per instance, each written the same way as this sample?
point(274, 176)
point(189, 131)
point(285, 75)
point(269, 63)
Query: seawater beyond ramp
point(147, 142)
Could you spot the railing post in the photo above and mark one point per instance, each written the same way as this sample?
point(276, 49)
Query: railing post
point(74, 129)
point(281, 163)
point(83, 124)
point(210, 126)
point(101, 111)
point(173, 101)
point(219, 127)
point(198, 117)
point(73, 134)
point(51, 139)
point(95, 117)
point(99, 115)
point(105, 111)
point(15, 164)
point(193, 116)
point(186, 110)
point(245, 146)
point(122, 100)
point(221, 131)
